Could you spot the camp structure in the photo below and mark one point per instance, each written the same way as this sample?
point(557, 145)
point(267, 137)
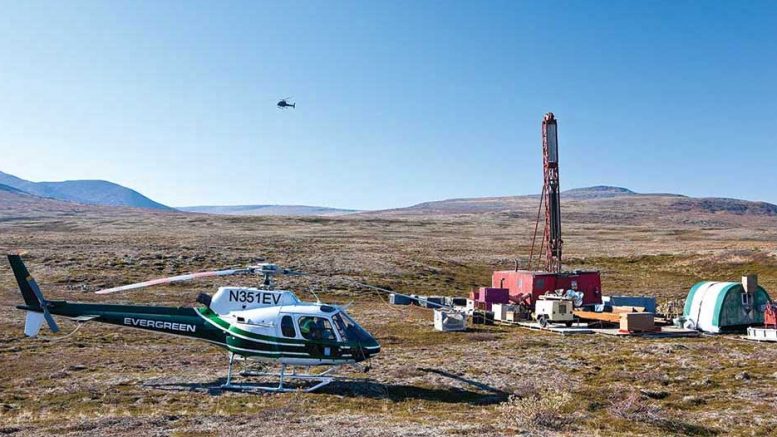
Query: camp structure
point(725, 306)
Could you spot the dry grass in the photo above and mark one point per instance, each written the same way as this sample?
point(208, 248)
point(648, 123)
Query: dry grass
point(544, 410)
point(106, 380)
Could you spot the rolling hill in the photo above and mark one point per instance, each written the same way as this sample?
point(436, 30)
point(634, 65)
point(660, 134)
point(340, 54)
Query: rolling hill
point(17, 203)
point(268, 210)
point(600, 204)
point(90, 192)
point(10, 189)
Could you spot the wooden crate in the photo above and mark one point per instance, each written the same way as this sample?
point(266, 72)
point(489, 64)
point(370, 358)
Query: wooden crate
point(637, 322)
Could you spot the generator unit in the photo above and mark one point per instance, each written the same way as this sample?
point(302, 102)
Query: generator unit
point(554, 309)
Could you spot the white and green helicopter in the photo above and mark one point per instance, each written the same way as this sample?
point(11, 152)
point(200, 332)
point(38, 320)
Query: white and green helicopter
point(252, 323)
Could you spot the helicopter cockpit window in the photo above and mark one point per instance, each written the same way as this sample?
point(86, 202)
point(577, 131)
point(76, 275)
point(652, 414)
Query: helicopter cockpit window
point(316, 328)
point(287, 327)
point(349, 329)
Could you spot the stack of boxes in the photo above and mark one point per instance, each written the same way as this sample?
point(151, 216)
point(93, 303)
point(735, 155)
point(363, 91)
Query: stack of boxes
point(507, 312)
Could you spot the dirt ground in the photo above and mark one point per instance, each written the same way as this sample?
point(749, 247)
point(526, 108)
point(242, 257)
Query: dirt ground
point(489, 381)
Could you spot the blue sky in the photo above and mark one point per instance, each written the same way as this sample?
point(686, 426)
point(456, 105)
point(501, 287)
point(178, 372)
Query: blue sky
point(398, 102)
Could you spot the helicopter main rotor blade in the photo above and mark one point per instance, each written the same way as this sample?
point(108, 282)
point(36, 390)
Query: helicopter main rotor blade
point(179, 278)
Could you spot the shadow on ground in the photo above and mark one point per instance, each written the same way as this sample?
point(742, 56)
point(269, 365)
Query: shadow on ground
point(401, 392)
point(480, 394)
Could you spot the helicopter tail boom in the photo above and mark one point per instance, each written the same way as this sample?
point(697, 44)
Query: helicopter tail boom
point(21, 274)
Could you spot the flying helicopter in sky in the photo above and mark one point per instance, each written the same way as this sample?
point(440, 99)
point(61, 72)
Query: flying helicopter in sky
point(283, 104)
point(252, 323)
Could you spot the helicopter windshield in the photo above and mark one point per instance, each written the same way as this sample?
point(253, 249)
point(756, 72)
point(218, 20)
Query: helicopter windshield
point(349, 329)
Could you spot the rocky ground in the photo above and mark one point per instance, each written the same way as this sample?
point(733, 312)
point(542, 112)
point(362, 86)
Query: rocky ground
point(488, 381)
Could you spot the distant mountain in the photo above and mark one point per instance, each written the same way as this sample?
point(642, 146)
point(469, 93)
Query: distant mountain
point(259, 210)
point(606, 191)
point(17, 203)
point(719, 204)
point(594, 204)
point(10, 189)
point(91, 192)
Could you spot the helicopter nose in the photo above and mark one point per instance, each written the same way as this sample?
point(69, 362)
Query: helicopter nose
point(367, 350)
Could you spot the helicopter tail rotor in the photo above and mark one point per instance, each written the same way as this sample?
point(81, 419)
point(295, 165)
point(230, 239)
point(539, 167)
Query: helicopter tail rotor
point(33, 298)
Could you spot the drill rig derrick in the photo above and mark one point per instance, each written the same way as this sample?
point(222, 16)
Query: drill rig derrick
point(553, 242)
point(529, 286)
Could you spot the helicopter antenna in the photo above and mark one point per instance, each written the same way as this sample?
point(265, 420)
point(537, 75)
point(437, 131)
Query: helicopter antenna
point(318, 301)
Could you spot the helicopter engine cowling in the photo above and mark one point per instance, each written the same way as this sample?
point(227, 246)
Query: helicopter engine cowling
point(228, 299)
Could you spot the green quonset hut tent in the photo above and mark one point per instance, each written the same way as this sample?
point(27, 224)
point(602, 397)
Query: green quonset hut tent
point(724, 307)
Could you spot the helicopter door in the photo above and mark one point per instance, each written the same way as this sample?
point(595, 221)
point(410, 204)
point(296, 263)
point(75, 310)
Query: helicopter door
point(323, 342)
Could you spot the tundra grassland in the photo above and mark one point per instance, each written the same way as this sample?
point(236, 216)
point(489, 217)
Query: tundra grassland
point(493, 380)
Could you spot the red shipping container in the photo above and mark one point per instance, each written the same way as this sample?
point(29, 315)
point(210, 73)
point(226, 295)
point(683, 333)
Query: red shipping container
point(494, 295)
point(523, 282)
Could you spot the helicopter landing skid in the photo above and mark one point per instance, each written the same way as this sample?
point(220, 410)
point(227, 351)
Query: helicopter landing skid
point(318, 379)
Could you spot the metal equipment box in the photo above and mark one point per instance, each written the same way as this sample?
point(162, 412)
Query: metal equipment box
point(431, 301)
point(517, 315)
point(493, 295)
point(445, 320)
point(473, 305)
point(524, 283)
point(501, 310)
point(399, 299)
point(483, 318)
point(455, 301)
point(646, 302)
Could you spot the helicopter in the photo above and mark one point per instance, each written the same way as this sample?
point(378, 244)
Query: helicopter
point(283, 104)
point(261, 324)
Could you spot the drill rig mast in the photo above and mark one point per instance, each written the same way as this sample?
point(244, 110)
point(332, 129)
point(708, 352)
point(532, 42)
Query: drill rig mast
point(528, 286)
point(553, 242)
